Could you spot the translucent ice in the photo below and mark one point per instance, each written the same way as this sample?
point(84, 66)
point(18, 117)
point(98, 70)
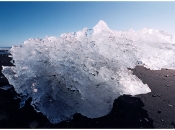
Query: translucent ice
point(7, 87)
point(84, 72)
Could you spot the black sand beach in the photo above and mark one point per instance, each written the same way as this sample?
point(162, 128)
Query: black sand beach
point(152, 110)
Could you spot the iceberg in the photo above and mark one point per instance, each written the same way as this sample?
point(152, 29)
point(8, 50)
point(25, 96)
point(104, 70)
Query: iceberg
point(85, 71)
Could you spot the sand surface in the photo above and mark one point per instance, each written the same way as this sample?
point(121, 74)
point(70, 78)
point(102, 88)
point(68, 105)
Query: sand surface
point(152, 110)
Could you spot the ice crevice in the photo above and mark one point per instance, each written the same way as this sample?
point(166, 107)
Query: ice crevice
point(84, 72)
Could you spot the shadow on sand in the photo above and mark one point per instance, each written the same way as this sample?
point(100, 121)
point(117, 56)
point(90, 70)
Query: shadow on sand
point(127, 112)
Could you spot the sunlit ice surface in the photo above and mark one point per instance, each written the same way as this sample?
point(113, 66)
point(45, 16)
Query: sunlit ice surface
point(83, 72)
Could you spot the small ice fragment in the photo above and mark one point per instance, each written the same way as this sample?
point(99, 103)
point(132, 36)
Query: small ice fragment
point(170, 105)
point(154, 95)
point(12, 61)
point(7, 87)
point(146, 119)
point(10, 56)
point(23, 100)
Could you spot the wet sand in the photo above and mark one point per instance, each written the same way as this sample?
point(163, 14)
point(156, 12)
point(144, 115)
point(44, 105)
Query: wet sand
point(152, 110)
point(160, 103)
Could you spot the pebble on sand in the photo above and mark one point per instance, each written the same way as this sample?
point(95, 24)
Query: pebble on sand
point(159, 111)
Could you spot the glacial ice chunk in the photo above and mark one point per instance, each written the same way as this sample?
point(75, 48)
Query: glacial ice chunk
point(81, 73)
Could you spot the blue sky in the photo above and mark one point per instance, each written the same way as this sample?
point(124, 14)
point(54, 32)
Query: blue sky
point(20, 21)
